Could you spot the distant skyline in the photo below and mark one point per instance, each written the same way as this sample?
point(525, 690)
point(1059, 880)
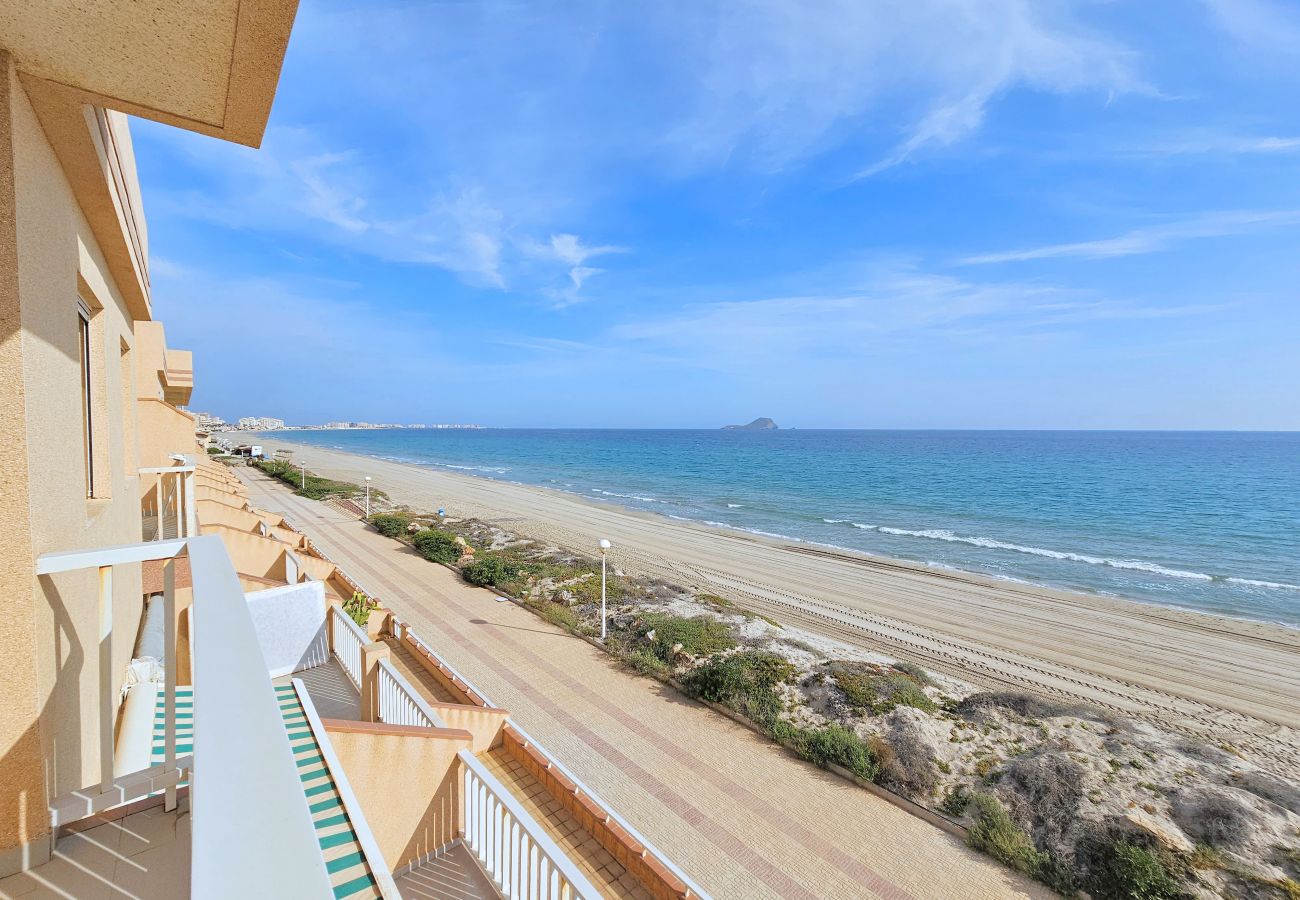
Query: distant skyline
point(902, 214)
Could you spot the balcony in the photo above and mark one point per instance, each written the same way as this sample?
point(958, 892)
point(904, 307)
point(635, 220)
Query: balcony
point(328, 761)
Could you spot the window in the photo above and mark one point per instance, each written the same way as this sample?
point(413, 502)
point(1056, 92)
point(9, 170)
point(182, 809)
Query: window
point(87, 429)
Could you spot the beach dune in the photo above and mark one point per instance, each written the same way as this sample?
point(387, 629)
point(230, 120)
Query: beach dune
point(1228, 682)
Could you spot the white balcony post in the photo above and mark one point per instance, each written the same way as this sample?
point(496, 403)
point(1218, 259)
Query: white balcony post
point(106, 677)
point(191, 513)
point(169, 677)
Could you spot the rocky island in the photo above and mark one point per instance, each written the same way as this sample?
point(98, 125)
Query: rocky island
point(756, 425)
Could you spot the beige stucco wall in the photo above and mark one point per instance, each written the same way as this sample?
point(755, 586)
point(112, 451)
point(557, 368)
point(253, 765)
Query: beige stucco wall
point(237, 519)
point(251, 554)
point(164, 430)
point(485, 723)
point(48, 686)
point(407, 784)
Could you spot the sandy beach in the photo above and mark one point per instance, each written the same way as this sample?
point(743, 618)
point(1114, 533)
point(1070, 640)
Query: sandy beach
point(1230, 682)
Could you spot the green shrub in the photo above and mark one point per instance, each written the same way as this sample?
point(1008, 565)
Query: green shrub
point(588, 589)
point(914, 672)
point(213, 451)
point(724, 678)
point(359, 607)
point(955, 802)
point(438, 546)
point(699, 636)
point(716, 601)
point(999, 837)
point(557, 614)
point(644, 662)
point(489, 569)
point(313, 487)
point(839, 745)
point(879, 693)
point(1120, 870)
point(390, 524)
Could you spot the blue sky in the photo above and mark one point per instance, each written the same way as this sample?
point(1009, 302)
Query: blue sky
point(837, 213)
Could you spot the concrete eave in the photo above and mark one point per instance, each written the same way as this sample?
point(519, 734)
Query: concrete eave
point(211, 68)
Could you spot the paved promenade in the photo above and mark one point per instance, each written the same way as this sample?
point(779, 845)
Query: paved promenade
point(742, 817)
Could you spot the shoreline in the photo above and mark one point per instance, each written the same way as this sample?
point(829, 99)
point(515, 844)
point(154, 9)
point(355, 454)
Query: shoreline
point(777, 541)
point(1231, 681)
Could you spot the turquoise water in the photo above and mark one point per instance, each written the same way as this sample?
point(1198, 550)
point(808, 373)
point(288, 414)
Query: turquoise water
point(1207, 521)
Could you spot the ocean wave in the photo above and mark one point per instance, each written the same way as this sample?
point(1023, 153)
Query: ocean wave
point(940, 534)
point(734, 505)
point(771, 534)
point(861, 525)
point(499, 470)
point(1255, 582)
point(625, 496)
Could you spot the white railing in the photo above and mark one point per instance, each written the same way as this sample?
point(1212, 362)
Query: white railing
point(514, 850)
point(347, 639)
point(242, 759)
point(169, 511)
point(104, 560)
point(399, 704)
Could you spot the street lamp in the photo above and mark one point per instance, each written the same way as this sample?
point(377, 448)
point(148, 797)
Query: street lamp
point(304, 474)
point(604, 547)
point(367, 496)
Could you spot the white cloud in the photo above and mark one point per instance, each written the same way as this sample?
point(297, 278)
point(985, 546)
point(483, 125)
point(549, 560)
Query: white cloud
point(551, 97)
point(569, 250)
point(786, 78)
point(294, 185)
point(1148, 240)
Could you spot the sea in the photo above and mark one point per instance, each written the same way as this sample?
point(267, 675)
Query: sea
point(1208, 521)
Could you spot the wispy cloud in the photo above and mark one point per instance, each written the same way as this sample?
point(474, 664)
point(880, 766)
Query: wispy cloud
point(559, 94)
point(1259, 25)
point(572, 252)
point(889, 308)
point(1224, 144)
point(295, 185)
point(1151, 239)
point(984, 50)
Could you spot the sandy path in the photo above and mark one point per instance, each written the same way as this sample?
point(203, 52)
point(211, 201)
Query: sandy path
point(1224, 680)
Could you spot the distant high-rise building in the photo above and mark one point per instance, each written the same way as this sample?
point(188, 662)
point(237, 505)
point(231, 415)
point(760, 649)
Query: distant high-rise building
point(260, 423)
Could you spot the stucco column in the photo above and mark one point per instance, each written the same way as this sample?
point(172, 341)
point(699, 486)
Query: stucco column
point(371, 654)
point(24, 821)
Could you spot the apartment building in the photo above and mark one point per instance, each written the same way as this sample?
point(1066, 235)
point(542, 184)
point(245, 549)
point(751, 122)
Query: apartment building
point(260, 423)
point(184, 708)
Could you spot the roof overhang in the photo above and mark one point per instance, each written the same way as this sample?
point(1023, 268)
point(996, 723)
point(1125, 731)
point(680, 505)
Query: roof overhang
point(210, 66)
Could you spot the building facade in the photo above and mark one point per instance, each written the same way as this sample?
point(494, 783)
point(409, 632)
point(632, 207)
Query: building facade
point(163, 638)
point(91, 394)
point(260, 423)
